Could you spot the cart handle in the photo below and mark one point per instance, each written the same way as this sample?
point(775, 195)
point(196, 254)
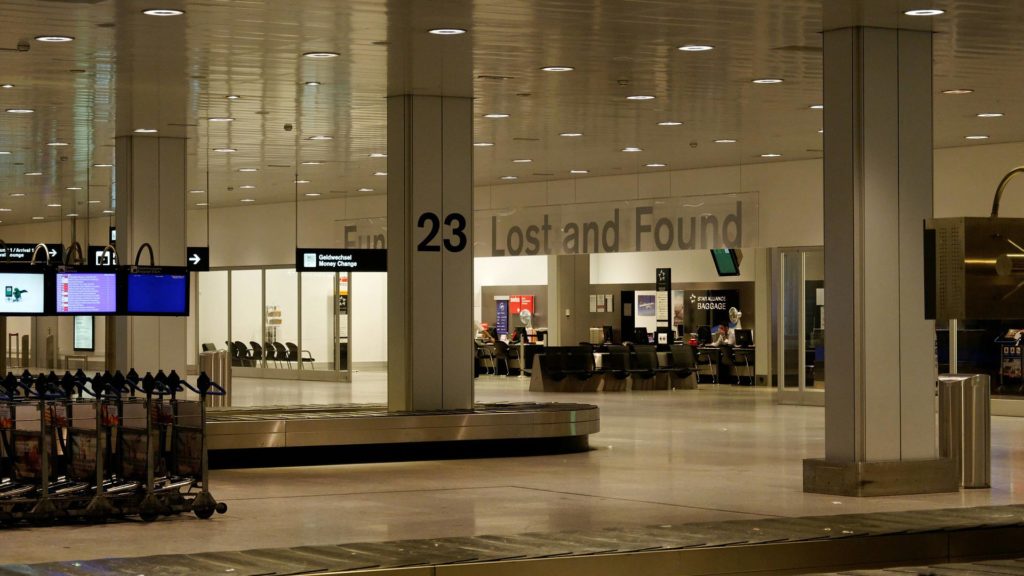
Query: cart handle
point(205, 387)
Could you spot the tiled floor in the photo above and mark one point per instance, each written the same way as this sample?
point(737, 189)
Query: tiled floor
point(661, 457)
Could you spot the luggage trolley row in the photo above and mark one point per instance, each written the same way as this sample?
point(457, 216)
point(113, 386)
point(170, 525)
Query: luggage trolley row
point(106, 446)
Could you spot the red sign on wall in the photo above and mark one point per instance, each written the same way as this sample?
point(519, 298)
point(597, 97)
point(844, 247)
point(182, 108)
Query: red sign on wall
point(517, 304)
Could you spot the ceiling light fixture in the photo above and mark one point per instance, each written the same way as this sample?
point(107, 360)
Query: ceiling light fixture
point(145, 130)
point(632, 149)
point(958, 91)
point(976, 137)
point(221, 119)
point(378, 155)
point(20, 110)
point(655, 165)
point(53, 205)
point(72, 215)
point(380, 173)
point(248, 169)
point(225, 150)
point(571, 134)
point(33, 173)
point(558, 68)
point(365, 190)
point(312, 83)
point(197, 191)
point(509, 177)
point(56, 143)
point(312, 163)
point(108, 211)
point(5, 209)
point(302, 181)
point(522, 160)
point(817, 107)
point(17, 194)
point(447, 31)
point(163, 12)
point(767, 81)
point(94, 201)
point(247, 187)
point(640, 97)
point(247, 200)
point(73, 188)
point(320, 137)
point(578, 171)
point(771, 155)
point(55, 38)
point(696, 48)
point(924, 12)
point(990, 115)
point(725, 141)
point(202, 203)
point(6, 85)
point(496, 115)
point(5, 153)
point(670, 123)
point(38, 218)
point(483, 144)
point(232, 96)
point(321, 55)
point(102, 165)
point(312, 194)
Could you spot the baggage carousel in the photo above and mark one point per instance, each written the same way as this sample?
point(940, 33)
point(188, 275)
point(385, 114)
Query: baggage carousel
point(323, 433)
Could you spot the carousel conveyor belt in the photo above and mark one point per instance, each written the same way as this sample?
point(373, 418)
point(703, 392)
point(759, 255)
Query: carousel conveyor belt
point(864, 543)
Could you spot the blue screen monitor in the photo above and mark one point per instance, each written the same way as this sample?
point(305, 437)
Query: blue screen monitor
point(160, 292)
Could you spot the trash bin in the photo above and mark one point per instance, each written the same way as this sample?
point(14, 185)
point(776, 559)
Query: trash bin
point(965, 432)
point(217, 365)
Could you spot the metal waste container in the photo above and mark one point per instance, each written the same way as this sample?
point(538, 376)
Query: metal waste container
point(217, 365)
point(965, 431)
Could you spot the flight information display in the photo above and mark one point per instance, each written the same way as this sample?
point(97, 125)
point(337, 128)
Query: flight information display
point(24, 293)
point(86, 293)
point(157, 294)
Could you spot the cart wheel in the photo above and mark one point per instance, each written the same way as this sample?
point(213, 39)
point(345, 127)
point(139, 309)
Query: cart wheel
point(203, 512)
point(221, 507)
point(148, 515)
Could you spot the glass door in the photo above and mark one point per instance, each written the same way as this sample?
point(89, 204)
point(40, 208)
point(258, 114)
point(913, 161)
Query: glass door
point(799, 320)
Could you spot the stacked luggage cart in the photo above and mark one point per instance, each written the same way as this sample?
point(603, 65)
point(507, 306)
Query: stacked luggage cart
point(74, 447)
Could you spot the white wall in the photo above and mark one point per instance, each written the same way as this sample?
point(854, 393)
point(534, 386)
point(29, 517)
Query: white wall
point(369, 308)
point(506, 271)
point(687, 266)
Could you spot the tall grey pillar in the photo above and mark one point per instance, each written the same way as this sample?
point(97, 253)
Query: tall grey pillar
point(150, 209)
point(430, 253)
point(880, 427)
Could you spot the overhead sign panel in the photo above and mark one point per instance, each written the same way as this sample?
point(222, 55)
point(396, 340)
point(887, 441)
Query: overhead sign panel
point(197, 258)
point(23, 253)
point(341, 260)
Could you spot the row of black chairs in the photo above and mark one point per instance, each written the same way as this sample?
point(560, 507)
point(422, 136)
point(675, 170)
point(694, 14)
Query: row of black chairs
point(498, 354)
point(275, 352)
point(621, 362)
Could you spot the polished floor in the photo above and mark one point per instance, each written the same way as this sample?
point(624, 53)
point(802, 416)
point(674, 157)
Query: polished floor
point(717, 453)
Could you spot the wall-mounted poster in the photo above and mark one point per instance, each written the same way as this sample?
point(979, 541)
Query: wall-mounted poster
point(501, 319)
point(521, 307)
point(678, 308)
point(645, 305)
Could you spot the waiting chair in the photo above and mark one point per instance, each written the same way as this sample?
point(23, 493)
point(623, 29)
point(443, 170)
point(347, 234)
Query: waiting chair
point(270, 355)
point(257, 353)
point(281, 353)
point(293, 354)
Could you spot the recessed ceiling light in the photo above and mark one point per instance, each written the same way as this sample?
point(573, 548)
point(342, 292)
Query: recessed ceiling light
point(56, 143)
point(197, 191)
point(509, 177)
point(20, 110)
point(817, 106)
point(94, 201)
point(632, 149)
point(696, 47)
point(108, 211)
point(821, 131)
point(770, 155)
point(247, 187)
point(163, 12)
point(725, 141)
point(4, 153)
point(990, 115)
point(320, 137)
point(522, 160)
point(37, 218)
point(6, 85)
point(302, 181)
point(102, 165)
point(54, 38)
point(447, 31)
point(380, 173)
point(976, 137)
point(247, 200)
point(5, 209)
point(248, 169)
point(33, 173)
point(670, 123)
point(225, 150)
point(640, 97)
point(312, 83)
point(496, 115)
point(558, 68)
point(73, 188)
point(365, 190)
point(321, 54)
point(571, 134)
point(924, 12)
point(378, 155)
point(72, 215)
point(221, 119)
point(483, 144)
point(232, 96)
point(145, 130)
point(312, 194)
point(655, 165)
point(312, 163)
point(17, 194)
point(958, 91)
point(53, 205)
point(767, 81)
point(202, 203)
point(578, 171)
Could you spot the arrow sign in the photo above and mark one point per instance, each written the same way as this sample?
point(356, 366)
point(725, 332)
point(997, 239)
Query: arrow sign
point(197, 258)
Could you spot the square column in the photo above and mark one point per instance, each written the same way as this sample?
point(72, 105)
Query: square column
point(880, 427)
point(150, 207)
point(430, 253)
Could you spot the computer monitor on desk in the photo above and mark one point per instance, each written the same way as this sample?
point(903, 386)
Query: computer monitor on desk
point(744, 338)
point(704, 335)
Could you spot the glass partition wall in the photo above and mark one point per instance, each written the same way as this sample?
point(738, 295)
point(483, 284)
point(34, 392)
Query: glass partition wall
point(799, 324)
point(258, 316)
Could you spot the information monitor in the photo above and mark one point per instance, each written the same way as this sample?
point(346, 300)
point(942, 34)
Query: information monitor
point(24, 293)
point(162, 292)
point(81, 292)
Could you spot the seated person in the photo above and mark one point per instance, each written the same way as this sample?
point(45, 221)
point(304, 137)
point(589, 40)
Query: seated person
point(483, 335)
point(723, 337)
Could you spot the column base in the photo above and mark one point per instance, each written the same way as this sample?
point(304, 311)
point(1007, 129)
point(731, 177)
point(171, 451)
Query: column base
point(880, 478)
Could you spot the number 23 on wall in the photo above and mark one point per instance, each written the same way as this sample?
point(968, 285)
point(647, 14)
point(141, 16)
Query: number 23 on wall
point(456, 240)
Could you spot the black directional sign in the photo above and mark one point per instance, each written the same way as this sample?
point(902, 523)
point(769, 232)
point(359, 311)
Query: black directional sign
point(23, 253)
point(197, 258)
point(99, 257)
point(341, 260)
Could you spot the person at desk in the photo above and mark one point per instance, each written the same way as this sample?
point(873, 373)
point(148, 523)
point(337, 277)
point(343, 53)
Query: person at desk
point(723, 337)
point(483, 336)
